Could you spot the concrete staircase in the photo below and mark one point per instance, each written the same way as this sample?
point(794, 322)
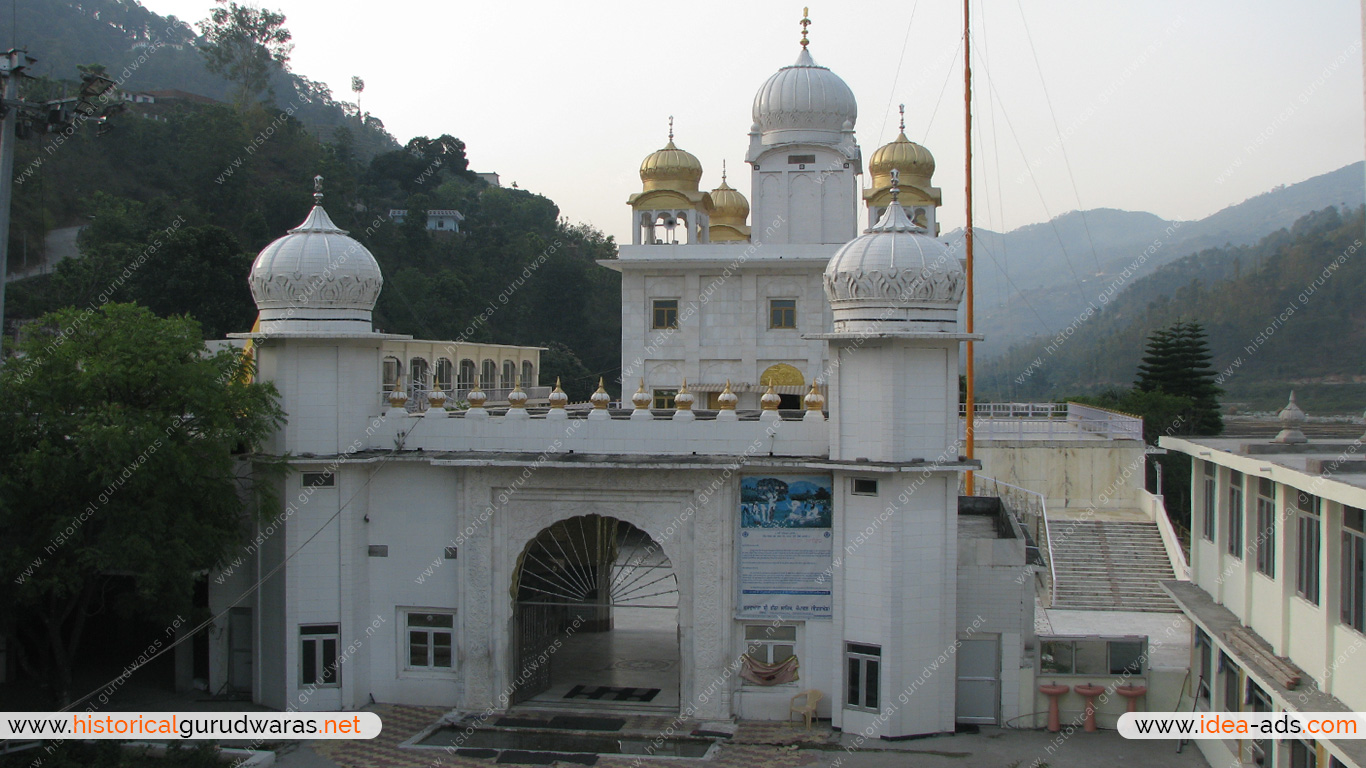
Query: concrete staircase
point(1109, 566)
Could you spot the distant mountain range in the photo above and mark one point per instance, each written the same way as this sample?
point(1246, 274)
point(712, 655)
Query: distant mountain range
point(1282, 313)
point(1035, 280)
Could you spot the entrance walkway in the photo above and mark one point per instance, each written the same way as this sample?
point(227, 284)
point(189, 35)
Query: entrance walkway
point(641, 653)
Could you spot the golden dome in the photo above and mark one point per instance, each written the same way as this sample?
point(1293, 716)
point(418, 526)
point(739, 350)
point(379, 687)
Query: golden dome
point(671, 168)
point(915, 163)
point(729, 206)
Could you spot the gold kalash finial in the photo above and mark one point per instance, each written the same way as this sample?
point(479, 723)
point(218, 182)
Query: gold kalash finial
point(671, 129)
point(903, 118)
point(806, 22)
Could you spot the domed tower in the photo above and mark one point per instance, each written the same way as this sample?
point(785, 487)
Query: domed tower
point(804, 156)
point(315, 288)
point(729, 214)
point(316, 278)
point(894, 293)
point(915, 164)
point(670, 209)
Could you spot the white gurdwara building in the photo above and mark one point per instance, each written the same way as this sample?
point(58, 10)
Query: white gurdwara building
point(778, 513)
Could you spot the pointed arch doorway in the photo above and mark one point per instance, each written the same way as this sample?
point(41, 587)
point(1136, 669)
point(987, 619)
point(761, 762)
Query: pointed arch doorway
point(595, 618)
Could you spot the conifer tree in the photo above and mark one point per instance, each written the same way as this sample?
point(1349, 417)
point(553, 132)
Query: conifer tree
point(1177, 361)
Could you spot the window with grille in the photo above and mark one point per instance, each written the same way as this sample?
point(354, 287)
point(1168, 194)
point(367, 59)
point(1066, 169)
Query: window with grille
point(1354, 568)
point(862, 665)
point(318, 662)
point(1235, 514)
point(1308, 535)
point(665, 314)
point(782, 313)
point(1266, 527)
point(430, 640)
point(770, 644)
point(664, 398)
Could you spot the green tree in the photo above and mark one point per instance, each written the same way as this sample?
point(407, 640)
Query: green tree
point(123, 440)
point(245, 45)
point(1177, 361)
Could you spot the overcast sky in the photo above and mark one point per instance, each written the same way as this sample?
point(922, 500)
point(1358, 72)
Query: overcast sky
point(1177, 108)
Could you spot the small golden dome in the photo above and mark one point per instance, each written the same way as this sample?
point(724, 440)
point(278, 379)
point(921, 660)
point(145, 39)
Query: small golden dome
point(770, 400)
point(600, 399)
point(727, 399)
point(436, 399)
point(398, 398)
point(684, 399)
point(558, 399)
point(476, 397)
point(729, 205)
point(915, 163)
point(517, 398)
point(642, 399)
point(671, 168)
point(814, 400)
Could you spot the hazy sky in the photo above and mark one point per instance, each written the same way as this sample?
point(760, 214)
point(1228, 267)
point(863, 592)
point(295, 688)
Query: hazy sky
point(1177, 108)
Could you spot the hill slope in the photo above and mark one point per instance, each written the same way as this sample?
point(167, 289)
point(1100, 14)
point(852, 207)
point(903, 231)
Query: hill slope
point(1284, 312)
point(142, 50)
point(1033, 281)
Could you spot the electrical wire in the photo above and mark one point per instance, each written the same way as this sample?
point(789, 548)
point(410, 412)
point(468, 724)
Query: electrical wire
point(1058, 129)
point(891, 97)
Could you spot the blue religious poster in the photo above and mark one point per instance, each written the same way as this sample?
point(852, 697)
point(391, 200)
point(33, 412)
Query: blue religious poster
point(786, 546)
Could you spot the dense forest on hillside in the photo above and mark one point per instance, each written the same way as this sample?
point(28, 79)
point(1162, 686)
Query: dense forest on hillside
point(1283, 312)
point(142, 50)
point(193, 194)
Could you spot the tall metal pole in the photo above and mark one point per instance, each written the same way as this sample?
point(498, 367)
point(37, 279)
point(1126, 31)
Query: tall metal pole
point(11, 96)
point(970, 395)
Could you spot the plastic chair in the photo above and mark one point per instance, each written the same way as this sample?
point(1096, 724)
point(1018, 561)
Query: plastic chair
point(807, 708)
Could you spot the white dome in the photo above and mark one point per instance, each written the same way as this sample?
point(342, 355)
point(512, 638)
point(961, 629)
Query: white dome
point(316, 278)
point(804, 102)
point(894, 278)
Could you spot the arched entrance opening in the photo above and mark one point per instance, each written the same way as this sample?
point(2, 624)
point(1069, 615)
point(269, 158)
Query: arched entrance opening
point(595, 618)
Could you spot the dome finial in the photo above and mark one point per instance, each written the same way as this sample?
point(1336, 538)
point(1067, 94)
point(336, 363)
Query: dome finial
point(671, 129)
point(903, 118)
point(806, 22)
point(723, 170)
point(318, 190)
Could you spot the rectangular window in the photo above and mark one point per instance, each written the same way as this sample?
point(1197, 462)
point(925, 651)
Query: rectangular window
point(1303, 754)
point(1211, 496)
point(318, 663)
point(1266, 527)
point(319, 480)
point(862, 665)
point(1235, 514)
point(1354, 568)
point(1204, 649)
point(782, 313)
point(665, 314)
point(769, 644)
point(664, 398)
point(862, 486)
point(1232, 688)
point(1309, 526)
point(430, 640)
point(800, 159)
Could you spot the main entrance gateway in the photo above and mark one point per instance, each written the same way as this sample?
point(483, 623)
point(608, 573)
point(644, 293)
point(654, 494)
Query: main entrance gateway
point(595, 617)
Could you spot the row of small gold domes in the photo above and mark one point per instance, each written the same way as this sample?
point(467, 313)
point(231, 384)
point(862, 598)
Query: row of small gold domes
point(683, 399)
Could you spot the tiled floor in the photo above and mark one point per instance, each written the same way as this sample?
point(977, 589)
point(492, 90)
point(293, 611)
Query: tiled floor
point(642, 652)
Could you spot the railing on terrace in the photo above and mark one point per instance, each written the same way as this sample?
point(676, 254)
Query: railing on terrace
point(417, 398)
point(1044, 421)
point(1032, 511)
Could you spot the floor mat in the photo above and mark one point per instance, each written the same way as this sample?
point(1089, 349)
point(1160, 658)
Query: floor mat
point(611, 693)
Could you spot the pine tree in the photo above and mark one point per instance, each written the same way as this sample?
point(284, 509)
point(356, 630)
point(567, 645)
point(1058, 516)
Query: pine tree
point(1177, 361)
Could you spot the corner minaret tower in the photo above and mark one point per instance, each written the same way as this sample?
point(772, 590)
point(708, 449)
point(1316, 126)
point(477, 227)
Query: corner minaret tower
point(805, 159)
point(894, 293)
